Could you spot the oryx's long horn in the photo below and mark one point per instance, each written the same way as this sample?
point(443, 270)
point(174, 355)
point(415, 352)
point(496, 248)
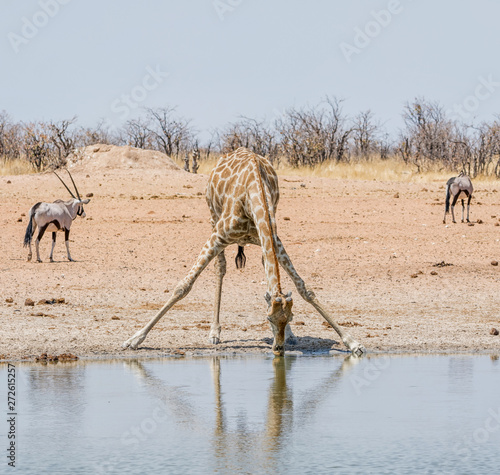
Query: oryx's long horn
point(66, 186)
point(73, 181)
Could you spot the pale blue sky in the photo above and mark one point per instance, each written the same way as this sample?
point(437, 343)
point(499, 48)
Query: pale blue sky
point(218, 60)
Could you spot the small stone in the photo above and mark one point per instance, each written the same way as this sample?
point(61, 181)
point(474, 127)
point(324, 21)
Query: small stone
point(414, 276)
point(114, 317)
point(19, 220)
point(286, 218)
point(494, 331)
point(396, 195)
point(9, 300)
point(479, 221)
point(434, 272)
point(29, 303)
point(89, 195)
point(494, 263)
point(8, 182)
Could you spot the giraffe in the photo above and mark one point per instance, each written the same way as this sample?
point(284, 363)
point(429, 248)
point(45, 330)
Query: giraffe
point(242, 195)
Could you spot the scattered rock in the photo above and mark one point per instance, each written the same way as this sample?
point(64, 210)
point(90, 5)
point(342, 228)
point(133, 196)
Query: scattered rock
point(286, 218)
point(303, 185)
point(20, 220)
point(114, 317)
point(442, 264)
point(9, 300)
point(350, 324)
point(396, 195)
point(494, 263)
point(29, 303)
point(494, 331)
point(89, 195)
point(300, 322)
point(470, 224)
point(44, 357)
point(51, 301)
point(479, 221)
point(8, 182)
point(434, 272)
point(497, 224)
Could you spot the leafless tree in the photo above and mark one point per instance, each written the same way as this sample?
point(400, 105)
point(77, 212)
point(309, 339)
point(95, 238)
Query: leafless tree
point(315, 134)
point(171, 135)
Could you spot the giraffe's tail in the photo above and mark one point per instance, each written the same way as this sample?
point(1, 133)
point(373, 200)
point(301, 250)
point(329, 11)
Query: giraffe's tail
point(240, 258)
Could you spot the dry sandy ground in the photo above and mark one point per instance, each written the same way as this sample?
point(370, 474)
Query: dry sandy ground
point(358, 244)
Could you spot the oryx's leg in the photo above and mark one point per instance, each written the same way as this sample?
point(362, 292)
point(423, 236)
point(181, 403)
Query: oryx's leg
point(455, 198)
point(308, 296)
point(53, 245)
point(210, 250)
point(41, 231)
point(220, 271)
point(468, 206)
point(66, 241)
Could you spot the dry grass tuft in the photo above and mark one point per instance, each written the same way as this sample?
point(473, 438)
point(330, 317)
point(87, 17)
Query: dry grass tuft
point(15, 167)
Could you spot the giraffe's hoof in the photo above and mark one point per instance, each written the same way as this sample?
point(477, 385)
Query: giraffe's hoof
point(51, 260)
point(356, 348)
point(133, 342)
point(214, 340)
point(39, 260)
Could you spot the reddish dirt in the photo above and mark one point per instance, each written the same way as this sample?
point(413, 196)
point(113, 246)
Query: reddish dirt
point(368, 249)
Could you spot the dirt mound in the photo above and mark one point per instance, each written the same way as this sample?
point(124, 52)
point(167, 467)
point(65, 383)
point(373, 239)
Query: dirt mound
point(102, 156)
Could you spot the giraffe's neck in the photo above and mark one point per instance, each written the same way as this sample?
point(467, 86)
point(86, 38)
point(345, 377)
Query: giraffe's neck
point(265, 225)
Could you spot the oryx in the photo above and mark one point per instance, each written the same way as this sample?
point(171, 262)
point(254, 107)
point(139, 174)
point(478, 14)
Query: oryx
point(56, 216)
point(454, 187)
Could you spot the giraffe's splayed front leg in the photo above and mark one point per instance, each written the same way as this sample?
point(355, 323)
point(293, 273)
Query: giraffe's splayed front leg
point(279, 314)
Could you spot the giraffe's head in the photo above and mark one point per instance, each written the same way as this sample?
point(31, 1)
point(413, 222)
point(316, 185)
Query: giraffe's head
point(279, 313)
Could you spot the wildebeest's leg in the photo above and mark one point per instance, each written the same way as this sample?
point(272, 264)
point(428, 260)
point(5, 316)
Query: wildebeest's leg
point(66, 241)
point(53, 245)
point(455, 198)
point(468, 206)
point(308, 296)
point(463, 209)
point(210, 250)
point(37, 242)
point(220, 271)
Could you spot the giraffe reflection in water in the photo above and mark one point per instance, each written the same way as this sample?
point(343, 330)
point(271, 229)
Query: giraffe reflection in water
point(239, 440)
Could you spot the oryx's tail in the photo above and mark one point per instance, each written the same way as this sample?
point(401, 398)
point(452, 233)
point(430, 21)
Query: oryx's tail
point(447, 202)
point(30, 230)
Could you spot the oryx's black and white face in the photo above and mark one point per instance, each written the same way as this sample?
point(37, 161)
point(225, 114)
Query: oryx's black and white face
point(81, 211)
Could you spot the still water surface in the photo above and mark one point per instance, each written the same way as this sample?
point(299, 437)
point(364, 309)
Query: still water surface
point(317, 414)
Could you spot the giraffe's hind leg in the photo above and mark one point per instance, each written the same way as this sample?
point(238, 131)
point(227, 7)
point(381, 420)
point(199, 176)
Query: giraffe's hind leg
point(211, 249)
point(308, 295)
point(220, 271)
